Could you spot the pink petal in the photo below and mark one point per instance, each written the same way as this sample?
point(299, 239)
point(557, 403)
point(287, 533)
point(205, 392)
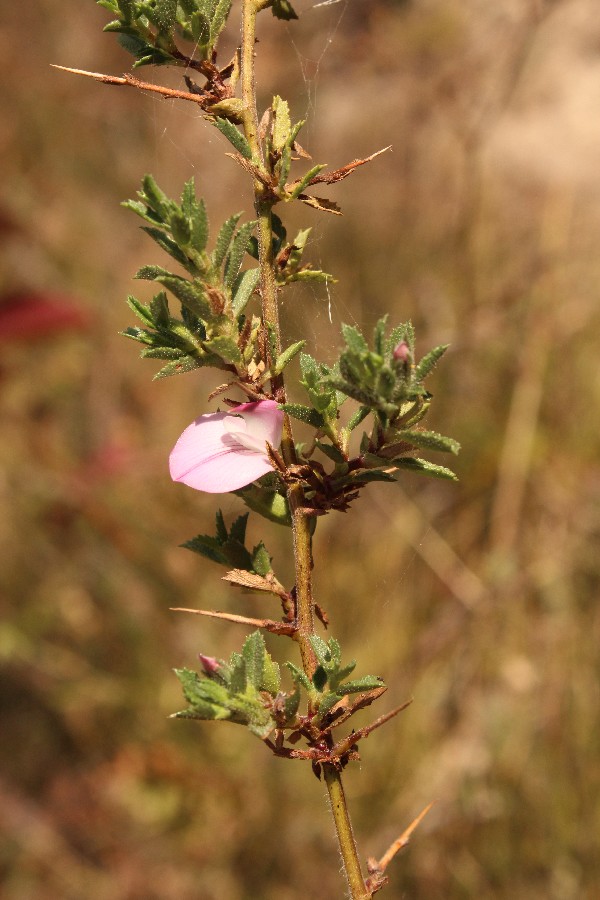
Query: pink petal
point(207, 456)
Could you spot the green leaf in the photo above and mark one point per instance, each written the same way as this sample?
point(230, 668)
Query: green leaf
point(271, 680)
point(402, 332)
point(159, 307)
point(166, 15)
point(428, 362)
point(200, 30)
point(243, 287)
point(281, 123)
point(287, 356)
point(332, 452)
point(261, 561)
point(219, 19)
point(303, 183)
point(226, 348)
point(358, 417)
point(253, 654)
point(234, 136)
point(354, 339)
point(178, 367)
point(162, 353)
point(156, 199)
point(168, 245)
point(235, 257)
point(237, 531)
point(267, 503)
point(189, 294)
point(141, 311)
point(282, 9)
point(224, 238)
point(138, 334)
point(424, 467)
point(366, 683)
point(429, 440)
point(303, 414)
point(299, 677)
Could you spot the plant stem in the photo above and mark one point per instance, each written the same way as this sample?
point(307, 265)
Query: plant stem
point(343, 827)
point(300, 521)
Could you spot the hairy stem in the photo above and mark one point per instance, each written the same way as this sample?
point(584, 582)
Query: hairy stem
point(343, 827)
point(300, 521)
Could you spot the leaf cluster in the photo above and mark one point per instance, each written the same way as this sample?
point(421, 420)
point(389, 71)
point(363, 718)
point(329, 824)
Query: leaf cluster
point(212, 329)
point(147, 28)
point(241, 690)
point(228, 548)
point(330, 680)
point(388, 385)
point(246, 690)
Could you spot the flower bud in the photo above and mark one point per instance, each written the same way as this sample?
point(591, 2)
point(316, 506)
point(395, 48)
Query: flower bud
point(401, 352)
point(209, 663)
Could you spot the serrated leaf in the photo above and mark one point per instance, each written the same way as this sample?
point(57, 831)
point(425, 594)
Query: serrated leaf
point(403, 332)
point(354, 339)
point(261, 561)
point(178, 367)
point(291, 705)
point(429, 361)
point(190, 295)
point(238, 528)
point(140, 309)
point(156, 199)
point(168, 245)
point(143, 211)
point(235, 257)
point(138, 334)
point(234, 136)
point(224, 238)
point(159, 307)
point(180, 228)
point(253, 654)
point(200, 30)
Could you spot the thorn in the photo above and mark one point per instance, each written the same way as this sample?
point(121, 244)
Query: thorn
point(379, 868)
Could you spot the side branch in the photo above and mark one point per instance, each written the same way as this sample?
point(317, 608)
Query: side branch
point(130, 81)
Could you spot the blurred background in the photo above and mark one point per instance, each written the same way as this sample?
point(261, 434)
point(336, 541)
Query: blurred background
point(479, 600)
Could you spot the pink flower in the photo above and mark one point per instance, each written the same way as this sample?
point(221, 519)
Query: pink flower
point(224, 451)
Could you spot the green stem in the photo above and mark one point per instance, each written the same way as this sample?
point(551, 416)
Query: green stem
point(343, 827)
point(300, 521)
